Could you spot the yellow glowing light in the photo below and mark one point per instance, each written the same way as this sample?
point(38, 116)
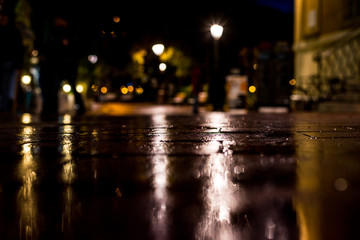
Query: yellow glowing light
point(139, 56)
point(116, 19)
point(162, 67)
point(79, 88)
point(252, 89)
point(26, 118)
point(67, 119)
point(103, 90)
point(130, 88)
point(124, 90)
point(67, 88)
point(26, 79)
point(139, 90)
point(94, 88)
point(167, 54)
point(292, 82)
point(28, 130)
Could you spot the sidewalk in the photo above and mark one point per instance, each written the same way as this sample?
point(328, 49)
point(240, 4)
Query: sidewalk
point(169, 174)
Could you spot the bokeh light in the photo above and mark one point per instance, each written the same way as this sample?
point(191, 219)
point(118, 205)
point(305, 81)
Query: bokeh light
point(26, 118)
point(116, 19)
point(162, 67)
point(66, 88)
point(34, 53)
point(130, 88)
point(79, 88)
point(124, 90)
point(103, 90)
point(252, 89)
point(93, 59)
point(341, 184)
point(26, 79)
point(139, 90)
point(158, 49)
point(94, 87)
point(292, 82)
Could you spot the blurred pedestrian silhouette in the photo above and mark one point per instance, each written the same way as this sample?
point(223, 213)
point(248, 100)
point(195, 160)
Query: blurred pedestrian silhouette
point(59, 63)
point(197, 82)
point(11, 60)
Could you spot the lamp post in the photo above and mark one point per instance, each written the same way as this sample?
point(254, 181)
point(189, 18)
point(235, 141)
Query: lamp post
point(216, 90)
point(216, 31)
point(158, 49)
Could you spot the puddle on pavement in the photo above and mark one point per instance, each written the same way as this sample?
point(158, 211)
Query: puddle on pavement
point(221, 188)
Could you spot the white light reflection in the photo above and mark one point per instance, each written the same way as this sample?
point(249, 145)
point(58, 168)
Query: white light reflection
point(220, 198)
point(211, 147)
point(160, 180)
point(270, 229)
point(26, 200)
point(221, 194)
point(218, 120)
point(67, 174)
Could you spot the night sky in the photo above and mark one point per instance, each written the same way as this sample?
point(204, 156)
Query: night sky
point(283, 5)
point(186, 23)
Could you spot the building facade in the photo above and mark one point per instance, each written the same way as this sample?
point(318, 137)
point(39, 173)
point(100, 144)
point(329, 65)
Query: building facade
point(327, 51)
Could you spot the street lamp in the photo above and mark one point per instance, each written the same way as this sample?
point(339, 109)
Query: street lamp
point(158, 49)
point(216, 81)
point(216, 31)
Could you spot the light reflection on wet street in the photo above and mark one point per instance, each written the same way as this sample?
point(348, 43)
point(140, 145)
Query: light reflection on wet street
point(26, 200)
point(161, 176)
point(159, 163)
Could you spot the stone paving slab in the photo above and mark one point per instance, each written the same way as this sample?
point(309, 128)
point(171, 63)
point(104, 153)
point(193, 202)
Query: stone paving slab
point(180, 176)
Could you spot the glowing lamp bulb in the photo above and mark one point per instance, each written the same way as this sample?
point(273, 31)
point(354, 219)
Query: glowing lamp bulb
point(216, 31)
point(26, 79)
point(158, 49)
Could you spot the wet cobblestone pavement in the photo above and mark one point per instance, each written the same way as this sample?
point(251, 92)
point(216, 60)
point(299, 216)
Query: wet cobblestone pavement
point(209, 176)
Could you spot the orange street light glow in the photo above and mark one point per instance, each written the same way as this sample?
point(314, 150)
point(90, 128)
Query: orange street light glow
point(292, 82)
point(130, 88)
point(104, 90)
point(139, 90)
point(116, 19)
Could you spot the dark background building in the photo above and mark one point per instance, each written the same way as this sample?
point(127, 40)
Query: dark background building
point(184, 26)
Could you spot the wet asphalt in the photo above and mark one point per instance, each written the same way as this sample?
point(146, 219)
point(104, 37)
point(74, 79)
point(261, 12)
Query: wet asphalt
point(180, 176)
